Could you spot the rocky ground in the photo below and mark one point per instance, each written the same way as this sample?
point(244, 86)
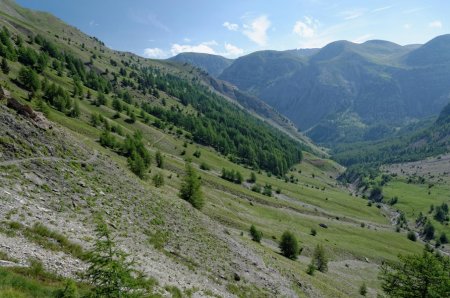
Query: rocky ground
point(49, 176)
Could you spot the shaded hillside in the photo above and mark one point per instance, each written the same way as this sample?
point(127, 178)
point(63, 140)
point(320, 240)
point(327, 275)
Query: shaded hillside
point(415, 143)
point(345, 90)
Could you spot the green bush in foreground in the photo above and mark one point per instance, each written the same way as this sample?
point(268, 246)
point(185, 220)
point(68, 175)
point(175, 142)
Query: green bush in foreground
point(419, 275)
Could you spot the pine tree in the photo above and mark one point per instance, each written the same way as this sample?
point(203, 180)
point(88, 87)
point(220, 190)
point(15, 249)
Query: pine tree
point(191, 188)
point(159, 159)
point(289, 245)
point(420, 275)
point(319, 259)
point(75, 112)
point(109, 272)
point(4, 66)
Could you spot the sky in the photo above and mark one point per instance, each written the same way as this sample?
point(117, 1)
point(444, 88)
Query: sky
point(232, 28)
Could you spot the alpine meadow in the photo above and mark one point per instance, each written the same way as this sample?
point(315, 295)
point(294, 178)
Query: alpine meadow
point(241, 149)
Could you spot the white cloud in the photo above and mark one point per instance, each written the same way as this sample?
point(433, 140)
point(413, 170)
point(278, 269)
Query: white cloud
point(186, 39)
point(363, 38)
point(435, 24)
point(412, 10)
point(232, 50)
point(381, 8)
point(407, 26)
point(352, 14)
point(231, 26)
point(257, 30)
point(155, 53)
point(306, 28)
point(204, 47)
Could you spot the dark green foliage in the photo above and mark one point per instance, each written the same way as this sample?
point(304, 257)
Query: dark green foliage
point(95, 120)
point(70, 290)
point(117, 105)
point(363, 289)
point(75, 111)
point(393, 201)
point(289, 245)
point(421, 275)
point(204, 166)
point(255, 234)
point(191, 188)
point(313, 232)
point(56, 96)
point(29, 79)
point(224, 126)
point(27, 56)
point(441, 213)
point(139, 158)
point(107, 139)
point(376, 194)
point(4, 66)
point(197, 153)
point(252, 178)
point(42, 107)
point(256, 188)
point(77, 88)
point(411, 236)
point(319, 259)
point(267, 191)
point(311, 269)
point(159, 158)
point(158, 179)
point(101, 99)
point(232, 176)
point(428, 231)
point(443, 238)
point(109, 271)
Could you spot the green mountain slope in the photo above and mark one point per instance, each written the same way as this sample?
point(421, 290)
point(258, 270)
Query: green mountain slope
point(345, 90)
point(416, 143)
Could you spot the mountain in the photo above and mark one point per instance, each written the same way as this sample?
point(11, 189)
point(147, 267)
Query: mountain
point(345, 90)
point(213, 64)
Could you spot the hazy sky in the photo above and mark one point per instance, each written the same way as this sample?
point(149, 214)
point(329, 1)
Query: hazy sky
point(160, 29)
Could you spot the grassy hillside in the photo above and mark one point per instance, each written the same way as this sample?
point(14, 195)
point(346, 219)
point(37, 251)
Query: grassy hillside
point(60, 169)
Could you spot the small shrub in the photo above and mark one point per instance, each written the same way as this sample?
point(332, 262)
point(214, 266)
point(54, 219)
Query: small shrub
point(289, 245)
point(256, 235)
point(313, 232)
point(256, 188)
point(311, 269)
point(204, 166)
point(363, 289)
point(411, 236)
point(158, 180)
point(197, 153)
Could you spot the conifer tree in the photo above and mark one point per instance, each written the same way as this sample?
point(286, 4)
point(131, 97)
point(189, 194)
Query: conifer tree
point(191, 188)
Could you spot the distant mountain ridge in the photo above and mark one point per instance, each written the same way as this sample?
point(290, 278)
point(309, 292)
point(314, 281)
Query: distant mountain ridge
point(344, 91)
point(213, 64)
